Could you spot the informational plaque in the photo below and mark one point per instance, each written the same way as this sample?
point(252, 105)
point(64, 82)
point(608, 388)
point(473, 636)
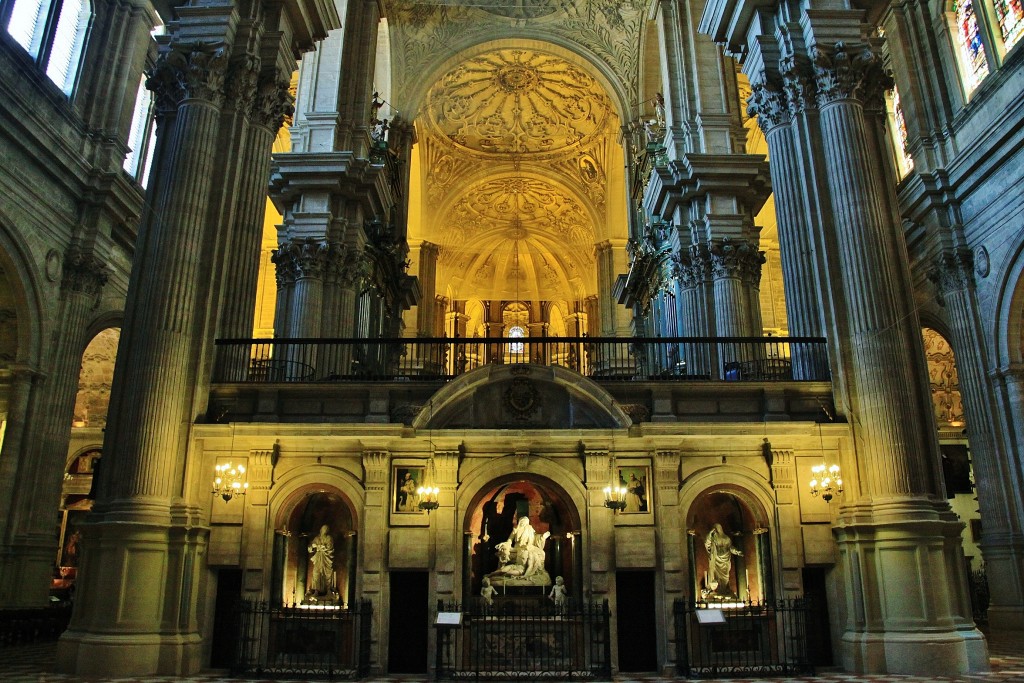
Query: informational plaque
point(450, 619)
point(710, 616)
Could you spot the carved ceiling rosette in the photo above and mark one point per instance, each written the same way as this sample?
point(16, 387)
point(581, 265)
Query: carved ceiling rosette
point(518, 102)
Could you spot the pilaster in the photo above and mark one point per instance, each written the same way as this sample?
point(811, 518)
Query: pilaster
point(993, 455)
point(41, 466)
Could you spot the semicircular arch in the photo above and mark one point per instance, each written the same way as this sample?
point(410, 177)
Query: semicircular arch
point(469, 47)
point(592, 405)
point(1007, 330)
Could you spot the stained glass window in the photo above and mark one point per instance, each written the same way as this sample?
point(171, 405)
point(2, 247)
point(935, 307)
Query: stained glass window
point(972, 50)
point(1011, 21)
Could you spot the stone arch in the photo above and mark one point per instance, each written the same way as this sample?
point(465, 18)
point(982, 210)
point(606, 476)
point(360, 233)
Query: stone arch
point(703, 501)
point(296, 483)
point(471, 46)
point(523, 395)
point(1007, 330)
point(497, 496)
point(24, 280)
point(305, 512)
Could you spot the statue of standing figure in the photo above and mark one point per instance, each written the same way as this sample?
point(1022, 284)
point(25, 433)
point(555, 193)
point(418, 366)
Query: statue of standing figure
point(521, 557)
point(720, 552)
point(321, 556)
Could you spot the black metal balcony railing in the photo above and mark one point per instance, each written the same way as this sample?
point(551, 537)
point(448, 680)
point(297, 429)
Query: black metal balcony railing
point(756, 359)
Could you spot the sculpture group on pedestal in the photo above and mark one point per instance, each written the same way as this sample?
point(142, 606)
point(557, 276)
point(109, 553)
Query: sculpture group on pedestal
point(521, 558)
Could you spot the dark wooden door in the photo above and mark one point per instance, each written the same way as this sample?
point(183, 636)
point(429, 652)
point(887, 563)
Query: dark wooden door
point(409, 624)
point(635, 628)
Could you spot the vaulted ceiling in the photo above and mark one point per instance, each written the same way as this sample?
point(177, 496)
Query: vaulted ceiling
point(517, 147)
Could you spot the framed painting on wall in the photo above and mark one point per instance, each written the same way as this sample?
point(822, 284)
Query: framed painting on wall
point(405, 480)
point(636, 479)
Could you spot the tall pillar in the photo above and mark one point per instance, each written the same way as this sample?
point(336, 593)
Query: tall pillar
point(373, 540)
point(143, 538)
point(995, 460)
point(770, 104)
point(30, 542)
point(896, 529)
point(143, 549)
point(906, 602)
point(425, 322)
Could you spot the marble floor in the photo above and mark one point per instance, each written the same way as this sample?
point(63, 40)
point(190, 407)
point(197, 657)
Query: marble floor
point(34, 663)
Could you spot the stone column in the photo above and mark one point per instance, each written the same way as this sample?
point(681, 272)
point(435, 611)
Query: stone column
point(894, 529)
point(995, 457)
point(260, 100)
point(447, 535)
point(695, 303)
point(425, 322)
point(671, 540)
point(30, 541)
point(773, 110)
point(143, 538)
point(736, 268)
point(19, 417)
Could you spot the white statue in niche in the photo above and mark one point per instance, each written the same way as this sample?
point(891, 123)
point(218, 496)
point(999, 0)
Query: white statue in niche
point(321, 557)
point(720, 552)
point(521, 557)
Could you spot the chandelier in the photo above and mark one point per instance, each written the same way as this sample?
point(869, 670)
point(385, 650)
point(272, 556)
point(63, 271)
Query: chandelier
point(827, 481)
point(227, 481)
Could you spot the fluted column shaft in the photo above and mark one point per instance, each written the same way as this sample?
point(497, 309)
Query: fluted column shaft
point(260, 118)
point(802, 308)
point(889, 421)
point(143, 440)
point(425, 320)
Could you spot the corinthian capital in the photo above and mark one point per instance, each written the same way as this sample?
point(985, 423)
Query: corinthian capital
point(241, 83)
point(274, 102)
point(953, 271)
point(298, 259)
point(798, 83)
point(194, 71)
point(768, 103)
point(851, 72)
point(737, 260)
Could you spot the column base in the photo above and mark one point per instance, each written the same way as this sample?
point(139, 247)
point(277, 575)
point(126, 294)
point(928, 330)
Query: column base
point(140, 581)
point(1004, 569)
point(117, 656)
point(920, 654)
point(26, 569)
point(907, 605)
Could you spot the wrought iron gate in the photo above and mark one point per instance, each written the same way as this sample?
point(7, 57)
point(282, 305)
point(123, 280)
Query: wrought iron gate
point(528, 640)
point(751, 639)
point(302, 640)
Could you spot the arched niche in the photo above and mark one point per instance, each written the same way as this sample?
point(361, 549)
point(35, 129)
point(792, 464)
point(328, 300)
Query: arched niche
point(497, 508)
point(729, 552)
point(300, 549)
